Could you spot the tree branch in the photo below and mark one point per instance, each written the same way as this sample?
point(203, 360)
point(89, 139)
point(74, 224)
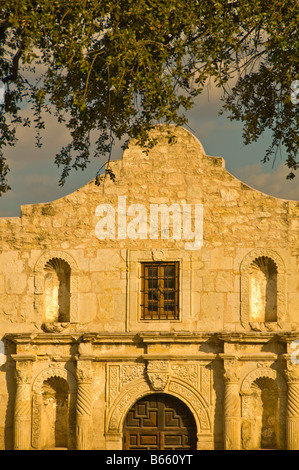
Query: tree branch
point(15, 67)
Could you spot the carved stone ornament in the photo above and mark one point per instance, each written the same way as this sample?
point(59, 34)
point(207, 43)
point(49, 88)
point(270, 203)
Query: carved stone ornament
point(292, 373)
point(23, 373)
point(55, 327)
point(158, 373)
point(158, 254)
point(232, 371)
point(84, 375)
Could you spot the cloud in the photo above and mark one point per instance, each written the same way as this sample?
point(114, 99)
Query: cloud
point(272, 183)
point(34, 176)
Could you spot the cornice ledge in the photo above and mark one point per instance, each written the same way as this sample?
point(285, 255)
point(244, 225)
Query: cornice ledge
point(42, 338)
point(23, 357)
point(249, 336)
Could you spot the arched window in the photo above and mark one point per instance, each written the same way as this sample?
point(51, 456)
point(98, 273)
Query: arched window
point(57, 290)
point(263, 290)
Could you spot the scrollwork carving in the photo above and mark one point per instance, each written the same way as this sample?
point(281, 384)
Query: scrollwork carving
point(130, 372)
point(186, 372)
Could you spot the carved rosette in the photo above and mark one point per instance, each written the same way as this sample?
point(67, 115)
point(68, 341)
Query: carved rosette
point(158, 373)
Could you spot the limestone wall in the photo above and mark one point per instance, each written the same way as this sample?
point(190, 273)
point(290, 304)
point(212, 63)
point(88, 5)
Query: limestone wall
point(236, 220)
point(240, 224)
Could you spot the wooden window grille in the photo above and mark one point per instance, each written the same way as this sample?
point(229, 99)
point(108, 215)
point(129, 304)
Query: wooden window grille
point(160, 291)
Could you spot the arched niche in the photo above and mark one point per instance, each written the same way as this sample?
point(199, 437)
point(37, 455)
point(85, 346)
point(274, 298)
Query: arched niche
point(56, 287)
point(263, 290)
point(264, 400)
point(53, 409)
point(57, 274)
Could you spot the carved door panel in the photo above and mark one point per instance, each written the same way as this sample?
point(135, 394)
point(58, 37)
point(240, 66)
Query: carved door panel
point(159, 422)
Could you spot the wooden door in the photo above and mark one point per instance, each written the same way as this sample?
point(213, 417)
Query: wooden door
point(159, 422)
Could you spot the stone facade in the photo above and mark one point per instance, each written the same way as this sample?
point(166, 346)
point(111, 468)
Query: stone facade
point(76, 353)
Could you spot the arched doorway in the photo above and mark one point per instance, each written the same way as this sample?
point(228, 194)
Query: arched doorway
point(159, 422)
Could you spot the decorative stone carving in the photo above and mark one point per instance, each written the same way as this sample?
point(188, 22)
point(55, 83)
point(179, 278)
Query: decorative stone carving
point(232, 405)
point(262, 371)
point(55, 369)
point(130, 372)
point(158, 254)
point(124, 402)
point(55, 327)
point(139, 387)
point(22, 405)
point(113, 372)
point(45, 257)
point(186, 372)
point(232, 371)
point(192, 400)
point(158, 373)
point(84, 404)
point(292, 374)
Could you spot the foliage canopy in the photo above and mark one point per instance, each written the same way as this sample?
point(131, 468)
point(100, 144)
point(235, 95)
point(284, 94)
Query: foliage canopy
point(116, 68)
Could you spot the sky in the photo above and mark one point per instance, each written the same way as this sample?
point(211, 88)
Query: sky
point(34, 176)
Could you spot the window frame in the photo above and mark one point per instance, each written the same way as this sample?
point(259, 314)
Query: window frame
point(158, 290)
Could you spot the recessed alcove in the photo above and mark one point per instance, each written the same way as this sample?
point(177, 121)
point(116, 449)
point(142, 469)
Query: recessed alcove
point(263, 290)
point(57, 290)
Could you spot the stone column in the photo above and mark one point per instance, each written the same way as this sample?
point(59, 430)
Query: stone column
point(232, 408)
point(22, 411)
point(84, 405)
point(292, 375)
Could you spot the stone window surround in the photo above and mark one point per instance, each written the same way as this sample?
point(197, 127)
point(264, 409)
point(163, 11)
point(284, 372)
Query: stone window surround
point(165, 309)
point(135, 258)
point(245, 290)
point(39, 281)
